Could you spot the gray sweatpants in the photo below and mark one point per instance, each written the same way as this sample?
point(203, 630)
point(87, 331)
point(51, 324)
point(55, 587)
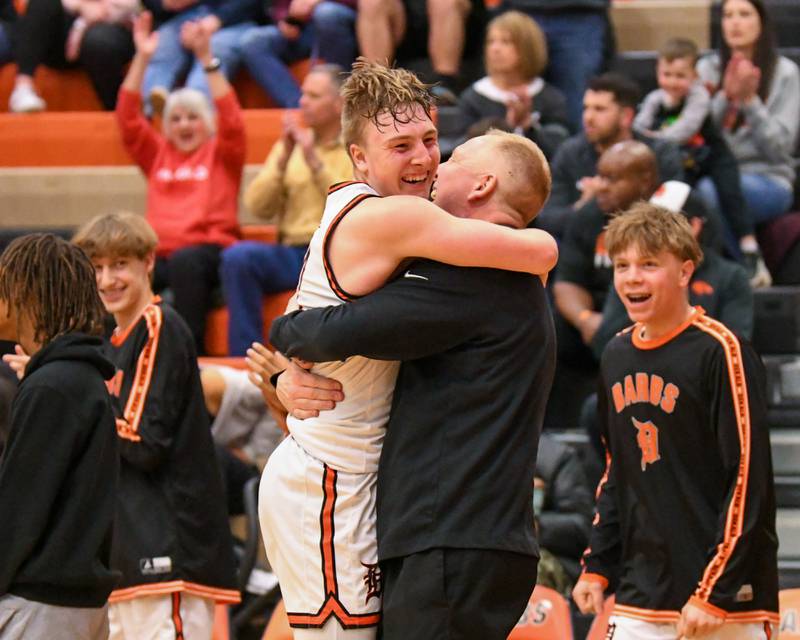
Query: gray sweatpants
point(22, 619)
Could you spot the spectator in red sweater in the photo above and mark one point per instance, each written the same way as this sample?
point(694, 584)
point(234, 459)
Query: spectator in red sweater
point(193, 173)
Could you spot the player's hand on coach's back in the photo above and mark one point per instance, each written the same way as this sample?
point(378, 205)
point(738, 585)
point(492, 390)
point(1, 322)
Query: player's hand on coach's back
point(588, 595)
point(302, 393)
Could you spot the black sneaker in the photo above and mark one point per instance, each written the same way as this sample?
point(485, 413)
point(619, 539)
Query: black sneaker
point(757, 271)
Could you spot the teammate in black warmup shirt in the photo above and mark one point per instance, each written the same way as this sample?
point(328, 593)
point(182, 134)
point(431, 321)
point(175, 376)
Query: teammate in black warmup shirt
point(172, 541)
point(685, 525)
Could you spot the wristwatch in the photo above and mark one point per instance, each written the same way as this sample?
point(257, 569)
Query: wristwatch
point(213, 65)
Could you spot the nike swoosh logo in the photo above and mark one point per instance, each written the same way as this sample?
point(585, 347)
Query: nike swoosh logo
point(408, 274)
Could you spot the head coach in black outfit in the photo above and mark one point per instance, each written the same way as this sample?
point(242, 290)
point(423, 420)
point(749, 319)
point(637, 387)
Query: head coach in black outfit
point(456, 541)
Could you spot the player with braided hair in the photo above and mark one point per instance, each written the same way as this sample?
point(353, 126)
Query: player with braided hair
point(58, 476)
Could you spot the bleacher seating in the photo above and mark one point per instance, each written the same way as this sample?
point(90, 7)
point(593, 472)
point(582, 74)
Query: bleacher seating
point(71, 90)
point(59, 168)
point(546, 617)
point(216, 340)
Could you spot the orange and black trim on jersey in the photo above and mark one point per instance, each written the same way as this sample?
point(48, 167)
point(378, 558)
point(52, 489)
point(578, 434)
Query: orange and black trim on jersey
point(334, 284)
point(220, 596)
point(734, 519)
point(768, 618)
point(332, 605)
point(128, 425)
point(341, 185)
point(596, 519)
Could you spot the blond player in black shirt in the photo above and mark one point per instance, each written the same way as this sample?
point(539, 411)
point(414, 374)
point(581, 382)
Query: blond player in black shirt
point(685, 527)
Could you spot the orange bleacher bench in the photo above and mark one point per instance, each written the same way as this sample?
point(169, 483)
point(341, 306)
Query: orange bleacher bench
point(216, 338)
point(71, 89)
point(91, 138)
point(546, 617)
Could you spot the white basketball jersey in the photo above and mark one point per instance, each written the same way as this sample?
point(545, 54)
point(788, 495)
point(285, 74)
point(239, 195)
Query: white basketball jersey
point(349, 437)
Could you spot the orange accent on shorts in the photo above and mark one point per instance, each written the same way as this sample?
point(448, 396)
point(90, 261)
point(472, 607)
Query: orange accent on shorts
point(332, 607)
point(327, 529)
point(220, 596)
point(748, 617)
point(646, 615)
point(177, 621)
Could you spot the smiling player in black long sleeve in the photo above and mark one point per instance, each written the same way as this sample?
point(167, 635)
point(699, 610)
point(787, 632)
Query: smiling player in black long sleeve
point(685, 524)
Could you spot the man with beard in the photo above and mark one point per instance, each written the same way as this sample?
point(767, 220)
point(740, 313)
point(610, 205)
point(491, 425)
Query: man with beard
point(609, 106)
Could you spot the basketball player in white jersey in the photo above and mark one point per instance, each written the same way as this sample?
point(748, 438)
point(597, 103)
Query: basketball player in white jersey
point(317, 499)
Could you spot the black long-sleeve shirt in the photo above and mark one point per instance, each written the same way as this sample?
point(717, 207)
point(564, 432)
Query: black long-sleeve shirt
point(687, 506)
point(58, 479)
point(172, 530)
point(478, 346)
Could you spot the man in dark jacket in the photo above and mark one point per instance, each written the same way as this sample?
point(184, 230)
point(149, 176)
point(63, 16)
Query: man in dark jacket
point(58, 475)
point(609, 106)
point(565, 517)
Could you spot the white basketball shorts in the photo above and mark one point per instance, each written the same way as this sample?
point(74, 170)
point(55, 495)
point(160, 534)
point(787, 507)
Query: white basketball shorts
point(319, 532)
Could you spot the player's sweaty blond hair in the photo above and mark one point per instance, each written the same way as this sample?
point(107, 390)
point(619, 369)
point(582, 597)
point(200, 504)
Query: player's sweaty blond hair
point(373, 90)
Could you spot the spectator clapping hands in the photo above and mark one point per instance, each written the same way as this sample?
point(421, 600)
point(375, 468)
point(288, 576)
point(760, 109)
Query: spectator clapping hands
point(519, 109)
point(741, 79)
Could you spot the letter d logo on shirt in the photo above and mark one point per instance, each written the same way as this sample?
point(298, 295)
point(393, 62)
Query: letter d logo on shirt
point(647, 439)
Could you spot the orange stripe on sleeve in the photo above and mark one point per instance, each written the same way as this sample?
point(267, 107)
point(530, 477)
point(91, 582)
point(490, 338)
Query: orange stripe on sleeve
point(140, 385)
point(734, 520)
point(341, 185)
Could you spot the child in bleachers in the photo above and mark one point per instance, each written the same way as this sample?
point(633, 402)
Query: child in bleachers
point(172, 541)
point(679, 110)
point(193, 173)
